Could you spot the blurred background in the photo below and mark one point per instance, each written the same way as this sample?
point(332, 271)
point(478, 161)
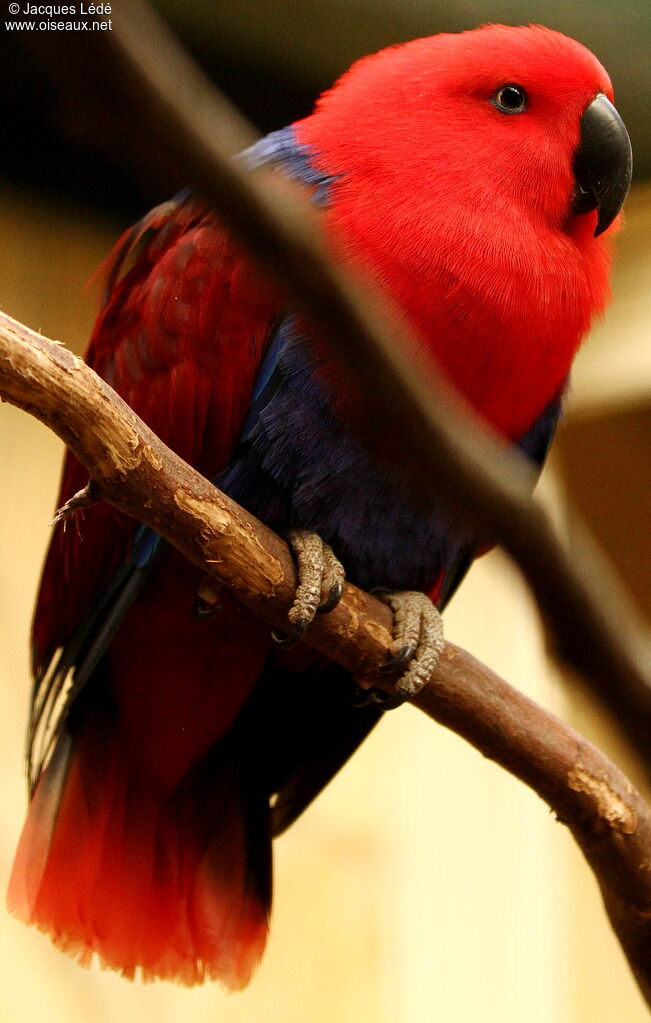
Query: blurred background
point(425, 882)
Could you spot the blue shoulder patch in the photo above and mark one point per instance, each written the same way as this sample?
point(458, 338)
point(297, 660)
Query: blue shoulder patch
point(282, 149)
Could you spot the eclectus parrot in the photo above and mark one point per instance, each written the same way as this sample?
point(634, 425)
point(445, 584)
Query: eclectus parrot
point(474, 177)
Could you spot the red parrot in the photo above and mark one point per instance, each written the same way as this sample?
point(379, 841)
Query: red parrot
point(475, 177)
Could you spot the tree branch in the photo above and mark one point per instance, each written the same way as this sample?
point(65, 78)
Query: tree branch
point(136, 473)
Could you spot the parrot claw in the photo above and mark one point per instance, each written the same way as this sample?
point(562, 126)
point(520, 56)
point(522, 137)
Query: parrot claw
point(291, 638)
point(332, 599)
point(418, 643)
point(417, 625)
point(400, 659)
point(320, 584)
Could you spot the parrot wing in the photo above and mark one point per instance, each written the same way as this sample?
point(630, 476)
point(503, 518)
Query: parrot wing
point(182, 331)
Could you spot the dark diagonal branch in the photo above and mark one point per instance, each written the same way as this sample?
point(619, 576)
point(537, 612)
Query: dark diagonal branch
point(135, 472)
point(444, 452)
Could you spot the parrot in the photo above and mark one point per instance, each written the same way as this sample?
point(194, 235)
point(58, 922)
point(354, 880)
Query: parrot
point(477, 179)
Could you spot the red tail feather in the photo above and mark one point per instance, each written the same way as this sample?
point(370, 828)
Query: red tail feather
point(162, 884)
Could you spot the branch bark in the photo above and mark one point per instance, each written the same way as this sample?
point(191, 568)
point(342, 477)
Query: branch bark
point(140, 476)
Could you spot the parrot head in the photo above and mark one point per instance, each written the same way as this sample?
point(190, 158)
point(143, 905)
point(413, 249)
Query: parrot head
point(499, 119)
point(476, 176)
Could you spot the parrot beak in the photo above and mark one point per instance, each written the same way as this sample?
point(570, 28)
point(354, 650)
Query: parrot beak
point(603, 163)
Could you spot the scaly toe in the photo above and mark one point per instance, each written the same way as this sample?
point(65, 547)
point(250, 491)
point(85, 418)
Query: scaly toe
point(332, 579)
point(419, 639)
point(320, 583)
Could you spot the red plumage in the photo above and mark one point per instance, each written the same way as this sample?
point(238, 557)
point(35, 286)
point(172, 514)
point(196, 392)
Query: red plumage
point(473, 239)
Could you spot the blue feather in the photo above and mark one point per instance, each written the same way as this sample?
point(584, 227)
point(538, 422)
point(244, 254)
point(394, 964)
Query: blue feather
point(282, 150)
point(299, 466)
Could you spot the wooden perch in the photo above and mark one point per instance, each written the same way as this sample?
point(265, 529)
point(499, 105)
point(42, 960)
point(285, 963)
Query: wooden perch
point(135, 472)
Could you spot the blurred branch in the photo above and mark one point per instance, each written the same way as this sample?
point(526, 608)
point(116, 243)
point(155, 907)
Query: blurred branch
point(445, 453)
point(139, 475)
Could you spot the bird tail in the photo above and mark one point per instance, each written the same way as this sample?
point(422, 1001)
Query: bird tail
point(174, 885)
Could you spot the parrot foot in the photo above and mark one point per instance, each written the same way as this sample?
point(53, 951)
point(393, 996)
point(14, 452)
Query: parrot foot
point(320, 583)
point(418, 643)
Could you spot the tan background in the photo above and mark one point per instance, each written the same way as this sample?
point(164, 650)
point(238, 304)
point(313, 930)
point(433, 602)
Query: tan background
point(425, 883)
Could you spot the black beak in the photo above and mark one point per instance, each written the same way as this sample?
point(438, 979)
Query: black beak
point(603, 163)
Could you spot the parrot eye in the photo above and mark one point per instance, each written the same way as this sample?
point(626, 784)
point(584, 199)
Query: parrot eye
point(510, 99)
